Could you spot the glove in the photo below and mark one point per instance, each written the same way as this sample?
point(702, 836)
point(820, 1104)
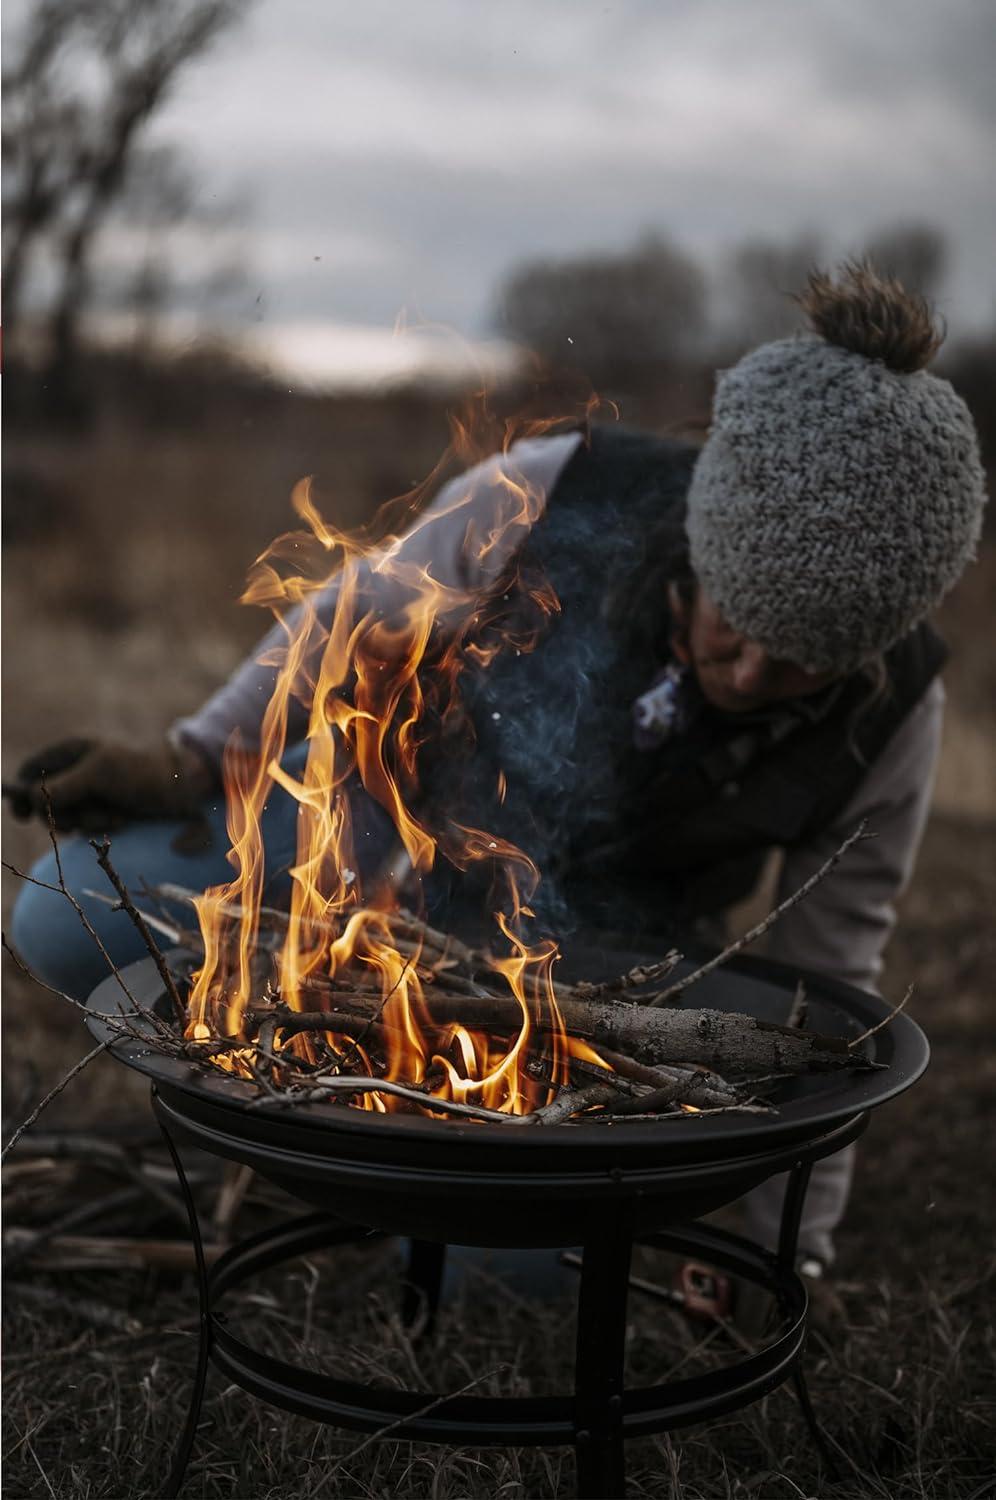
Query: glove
point(95, 786)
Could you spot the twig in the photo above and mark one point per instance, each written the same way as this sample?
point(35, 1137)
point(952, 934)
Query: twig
point(411, 1416)
point(53, 1094)
point(635, 978)
point(180, 937)
point(330, 1084)
point(63, 887)
point(234, 1186)
point(61, 994)
point(61, 890)
point(691, 1114)
point(763, 926)
point(799, 1010)
point(70, 1252)
point(894, 1012)
point(102, 849)
point(21, 1241)
point(109, 1156)
point(660, 1075)
point(571, 1102)
point(357, 1042)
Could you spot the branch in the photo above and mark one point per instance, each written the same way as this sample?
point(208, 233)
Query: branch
point(357, 1042)
point(573, 1102)
point(102, 849)
point(763, 926)
point(329, 1084)
point(61, 994)
point(52, 1094)
point(896, 1009)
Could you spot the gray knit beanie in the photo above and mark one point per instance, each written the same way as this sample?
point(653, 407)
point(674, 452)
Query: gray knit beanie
point(840, 492)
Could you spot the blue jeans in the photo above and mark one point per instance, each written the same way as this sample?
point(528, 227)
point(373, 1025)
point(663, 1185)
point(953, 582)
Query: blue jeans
point(49, 936)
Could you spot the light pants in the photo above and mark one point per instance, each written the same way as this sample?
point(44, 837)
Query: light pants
point(51, 940)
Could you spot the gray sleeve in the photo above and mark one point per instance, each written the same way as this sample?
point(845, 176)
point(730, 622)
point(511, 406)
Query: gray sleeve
point(462, 512)
point(842, 927)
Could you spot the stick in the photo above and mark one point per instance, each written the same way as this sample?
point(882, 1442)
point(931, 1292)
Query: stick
point(722, 1040)
point(667, 1098)
point(799, 1009)
point(357, 1042)
point(110, 1157)
point(573, 1102)
point(179, 937)
point(330, 1084)
point(691, 1114)
point(22, 1241)
point(662, 1074)
point(423, 1411)
point(52, 1094)
point(70, 1252)
point(763, 926)
point(640, 974)
point(102, 849)
point(856, 1042)
point(234, 1186)
point(61, 994)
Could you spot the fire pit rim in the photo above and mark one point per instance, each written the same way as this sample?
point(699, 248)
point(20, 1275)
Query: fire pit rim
point(901, 1045)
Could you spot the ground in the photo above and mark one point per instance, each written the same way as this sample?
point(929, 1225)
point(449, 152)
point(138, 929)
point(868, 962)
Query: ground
point(121, 570)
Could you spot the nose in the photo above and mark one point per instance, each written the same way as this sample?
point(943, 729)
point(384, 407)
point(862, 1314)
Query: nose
point(751, 669)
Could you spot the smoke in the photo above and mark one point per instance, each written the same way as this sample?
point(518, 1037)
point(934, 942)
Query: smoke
point(551, 719)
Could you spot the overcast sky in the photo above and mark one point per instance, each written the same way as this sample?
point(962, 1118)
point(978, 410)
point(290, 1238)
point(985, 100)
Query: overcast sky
point(398, 155)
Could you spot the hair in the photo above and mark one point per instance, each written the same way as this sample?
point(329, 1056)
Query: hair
point(872, 314)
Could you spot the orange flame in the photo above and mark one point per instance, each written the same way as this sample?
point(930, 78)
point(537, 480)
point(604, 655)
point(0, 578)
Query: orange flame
point(379, 681)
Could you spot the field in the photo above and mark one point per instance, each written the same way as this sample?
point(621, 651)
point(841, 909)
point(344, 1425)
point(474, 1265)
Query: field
point(123, 559)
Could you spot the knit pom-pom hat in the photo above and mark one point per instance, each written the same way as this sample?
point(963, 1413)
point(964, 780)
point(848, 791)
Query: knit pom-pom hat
point(840, 492)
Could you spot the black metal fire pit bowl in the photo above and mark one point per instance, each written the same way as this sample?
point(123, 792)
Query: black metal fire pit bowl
point(602, 1186)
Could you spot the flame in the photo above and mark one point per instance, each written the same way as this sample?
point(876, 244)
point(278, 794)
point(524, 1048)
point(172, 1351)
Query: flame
point(380, 681)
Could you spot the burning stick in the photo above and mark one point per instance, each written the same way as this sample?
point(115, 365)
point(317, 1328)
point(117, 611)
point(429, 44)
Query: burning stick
point(571, 1102)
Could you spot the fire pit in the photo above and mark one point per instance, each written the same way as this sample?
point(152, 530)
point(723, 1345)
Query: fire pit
point(603, 1185)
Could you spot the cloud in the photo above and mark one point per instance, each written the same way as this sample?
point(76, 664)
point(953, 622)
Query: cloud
point(422, 150)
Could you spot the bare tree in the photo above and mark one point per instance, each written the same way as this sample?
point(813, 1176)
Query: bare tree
point(618, 317)
point(88, 76)
point(763, 276)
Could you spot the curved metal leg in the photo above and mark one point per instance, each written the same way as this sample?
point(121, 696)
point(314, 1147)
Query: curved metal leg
point(788, 1242)
point(601, 1346)
point(181, 1456)
point(816, 1432)
point(795, 1198)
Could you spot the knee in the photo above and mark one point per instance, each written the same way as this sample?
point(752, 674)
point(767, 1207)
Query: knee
point(50, 939)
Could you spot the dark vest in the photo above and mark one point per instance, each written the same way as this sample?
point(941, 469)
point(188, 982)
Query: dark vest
point(624, 836)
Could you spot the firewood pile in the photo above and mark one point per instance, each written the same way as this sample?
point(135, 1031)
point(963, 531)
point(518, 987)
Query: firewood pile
point(649, 1055)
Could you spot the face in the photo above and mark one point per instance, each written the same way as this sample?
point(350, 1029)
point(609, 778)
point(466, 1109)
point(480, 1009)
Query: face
point(735, 674)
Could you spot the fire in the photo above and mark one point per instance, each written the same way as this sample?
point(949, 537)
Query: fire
point(381, 683)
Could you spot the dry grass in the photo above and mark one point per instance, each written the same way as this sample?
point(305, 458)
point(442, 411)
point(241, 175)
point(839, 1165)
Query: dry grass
point(129, 579)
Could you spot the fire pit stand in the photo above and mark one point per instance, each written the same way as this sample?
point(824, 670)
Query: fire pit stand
point(601, 1413)
point(604, 1187)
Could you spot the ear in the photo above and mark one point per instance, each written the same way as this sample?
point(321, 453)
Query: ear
point(676, 605)
point(681, 619)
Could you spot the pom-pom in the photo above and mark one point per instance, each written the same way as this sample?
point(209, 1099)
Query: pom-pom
point(873, 315)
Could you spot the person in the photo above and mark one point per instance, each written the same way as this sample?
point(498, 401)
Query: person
point(740, 663)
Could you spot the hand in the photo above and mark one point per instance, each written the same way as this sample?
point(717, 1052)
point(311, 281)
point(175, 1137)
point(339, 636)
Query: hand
point(98, 785)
